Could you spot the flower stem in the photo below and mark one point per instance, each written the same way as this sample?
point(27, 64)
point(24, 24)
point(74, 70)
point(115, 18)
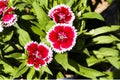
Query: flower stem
point(82, 25)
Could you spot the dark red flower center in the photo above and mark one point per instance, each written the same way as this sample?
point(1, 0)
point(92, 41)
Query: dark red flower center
point(37, 55)
point(62, 36)
point(61, 16)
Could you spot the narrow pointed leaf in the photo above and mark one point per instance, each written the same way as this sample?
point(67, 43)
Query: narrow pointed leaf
point(24, 37)
point(62, 59)
point(31, 73)
point(41, 15)
point(92, 15)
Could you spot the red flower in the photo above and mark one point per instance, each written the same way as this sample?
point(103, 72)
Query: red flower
point(3, 5)
point(9, 18)
point(38, 54)
point(61, 14)
point(62, 37)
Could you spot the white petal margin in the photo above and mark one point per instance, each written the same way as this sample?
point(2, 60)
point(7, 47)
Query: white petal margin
point(10, 22)
point(1, 27)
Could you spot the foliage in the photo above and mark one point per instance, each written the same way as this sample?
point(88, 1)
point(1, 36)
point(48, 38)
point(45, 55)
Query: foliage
point(94, 55)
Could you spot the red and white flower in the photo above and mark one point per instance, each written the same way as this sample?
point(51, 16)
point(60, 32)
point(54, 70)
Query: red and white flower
point(9, 18)
point(38, 54)
point(61, 14)
point(3, 5)
point(62, 37)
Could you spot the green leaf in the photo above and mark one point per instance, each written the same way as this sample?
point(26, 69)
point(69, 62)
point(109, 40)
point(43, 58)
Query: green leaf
point(49, 25)
point(44, 3)
point(55, 3)
point(103, 29)
point(65, 1)
point(60, 75)
point(105, 39)
point(62, 59)
point(86, 51)
point(10, 2)
point(108, 77)
point(28, 17)
point(20, 70)
point(29, 1)
point(8, 48)
point(8, 69)
point(92, 15)
point(8, 36)
point(38, 31)
point(31, 73)
point(14, 55)
point(20, 6)
point(24, 37)
point(41, 15)
point(62, 1)
point(84, 71)
point(106, 52)
point(70, 3)
point(118, 45)
point(92, 60)
point(109, 1)
point(46, 69)
point(114, 61)
point(3, 78)
point(115, 27)
point(84, 2)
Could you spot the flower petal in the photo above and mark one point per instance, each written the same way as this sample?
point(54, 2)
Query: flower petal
point(31, 61)
point(32, 47)
point(42, 62)
point(67, 44)
point(52, 36)
point(48, 59)
point(43, 51)
point(56, 46)
point(37, 65)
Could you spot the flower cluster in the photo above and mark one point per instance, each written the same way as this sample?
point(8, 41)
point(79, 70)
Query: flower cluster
point(62, 38)
point(8, 18)
point(38, 54)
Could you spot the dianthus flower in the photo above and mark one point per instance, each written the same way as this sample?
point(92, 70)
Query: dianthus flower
point(9, 18)
point(3, 5)
point(62, 37)
point(61, 14)
point(38, 54)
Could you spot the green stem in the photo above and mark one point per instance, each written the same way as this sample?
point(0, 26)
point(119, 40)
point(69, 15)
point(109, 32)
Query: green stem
point(82, 25)
point(17, 26)
point(40, 73)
